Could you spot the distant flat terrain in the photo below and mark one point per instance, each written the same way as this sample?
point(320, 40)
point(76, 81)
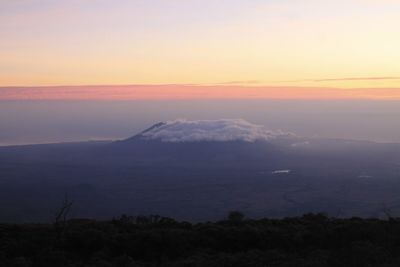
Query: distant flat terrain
point(200, 180)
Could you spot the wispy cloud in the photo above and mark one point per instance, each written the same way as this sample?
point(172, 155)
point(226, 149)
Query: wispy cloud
point(244, 82)
point(384, 78)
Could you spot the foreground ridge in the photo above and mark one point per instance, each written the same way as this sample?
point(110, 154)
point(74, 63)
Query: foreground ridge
point(310, 240)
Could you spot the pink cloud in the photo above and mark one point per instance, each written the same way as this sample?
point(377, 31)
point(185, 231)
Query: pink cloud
point(159, 92)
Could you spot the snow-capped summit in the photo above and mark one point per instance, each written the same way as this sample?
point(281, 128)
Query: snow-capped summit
point(221, 130)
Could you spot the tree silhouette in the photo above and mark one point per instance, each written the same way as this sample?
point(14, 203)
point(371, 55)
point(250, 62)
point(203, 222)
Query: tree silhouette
point(62, 213)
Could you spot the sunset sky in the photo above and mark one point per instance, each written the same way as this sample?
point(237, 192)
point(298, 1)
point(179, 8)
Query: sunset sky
point(223, 47)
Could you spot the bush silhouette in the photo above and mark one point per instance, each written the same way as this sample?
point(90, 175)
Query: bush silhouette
point(235, 216)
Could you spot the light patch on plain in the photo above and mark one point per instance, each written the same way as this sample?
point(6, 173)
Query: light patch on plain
point(222, 130)
point(300, 144)
point(281, 172)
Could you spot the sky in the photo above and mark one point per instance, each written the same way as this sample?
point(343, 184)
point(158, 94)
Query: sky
point(342, 44)
point(74, 70)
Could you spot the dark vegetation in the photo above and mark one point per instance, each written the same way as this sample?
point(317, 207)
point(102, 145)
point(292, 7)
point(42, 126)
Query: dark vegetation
point(310, 240)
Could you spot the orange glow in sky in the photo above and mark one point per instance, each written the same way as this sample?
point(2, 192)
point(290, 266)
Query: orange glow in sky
point(227, 48)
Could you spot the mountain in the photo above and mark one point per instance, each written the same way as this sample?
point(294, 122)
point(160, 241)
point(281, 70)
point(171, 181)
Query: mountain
point(200, 170)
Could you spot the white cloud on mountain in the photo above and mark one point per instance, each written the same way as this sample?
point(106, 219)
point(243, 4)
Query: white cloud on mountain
point(210, 130)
